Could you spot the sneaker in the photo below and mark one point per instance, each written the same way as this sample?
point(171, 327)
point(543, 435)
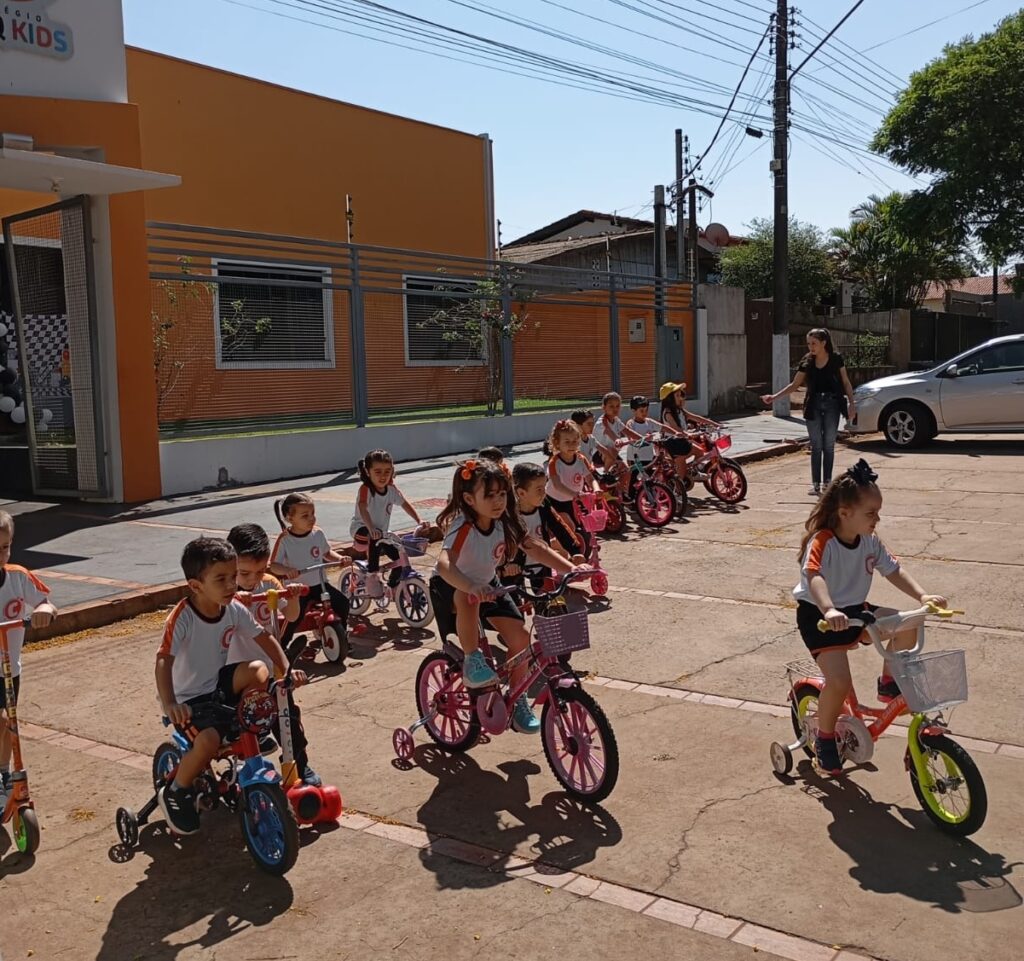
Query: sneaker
point(373, 587)
point(476, 672)
point(267, 744)
point(523, 719)
point(826, 749)
point(814, 490)
point(888, 689)
point(309, 777)
point(179, 809)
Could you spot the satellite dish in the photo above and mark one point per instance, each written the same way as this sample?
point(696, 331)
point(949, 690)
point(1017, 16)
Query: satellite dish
point(717, 234)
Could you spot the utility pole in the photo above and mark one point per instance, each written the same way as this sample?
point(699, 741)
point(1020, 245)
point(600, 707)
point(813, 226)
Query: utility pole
point(693, 249)
point(660, 257)
point(678, 193)
point(780, 259)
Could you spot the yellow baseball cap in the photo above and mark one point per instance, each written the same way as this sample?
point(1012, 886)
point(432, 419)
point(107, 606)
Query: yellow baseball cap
point(669, 388)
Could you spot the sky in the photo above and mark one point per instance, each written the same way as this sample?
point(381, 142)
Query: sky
point(558, 149)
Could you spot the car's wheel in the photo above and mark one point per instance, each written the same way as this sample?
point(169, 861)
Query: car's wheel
point(907, 424)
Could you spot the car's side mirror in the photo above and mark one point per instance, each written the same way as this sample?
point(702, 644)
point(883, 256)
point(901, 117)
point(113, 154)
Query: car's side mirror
point(951, 371)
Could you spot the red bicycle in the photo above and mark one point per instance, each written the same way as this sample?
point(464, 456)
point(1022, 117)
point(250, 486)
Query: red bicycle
point(723, 478)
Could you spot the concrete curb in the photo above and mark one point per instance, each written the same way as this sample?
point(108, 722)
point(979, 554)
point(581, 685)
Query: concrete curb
point(775, 450)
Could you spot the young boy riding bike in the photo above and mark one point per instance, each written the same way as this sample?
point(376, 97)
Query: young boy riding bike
point(192, 669)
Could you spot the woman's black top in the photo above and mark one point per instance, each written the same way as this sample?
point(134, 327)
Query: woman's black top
point(823, 380)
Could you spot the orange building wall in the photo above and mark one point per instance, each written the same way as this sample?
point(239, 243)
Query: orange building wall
point(256, 156)
point(113, 128)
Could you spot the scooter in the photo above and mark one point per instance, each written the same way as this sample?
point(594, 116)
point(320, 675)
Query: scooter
point(19, 808)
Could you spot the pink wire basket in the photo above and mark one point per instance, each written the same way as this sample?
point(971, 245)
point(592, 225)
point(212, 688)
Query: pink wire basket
point(592, 517)
point(563, 634)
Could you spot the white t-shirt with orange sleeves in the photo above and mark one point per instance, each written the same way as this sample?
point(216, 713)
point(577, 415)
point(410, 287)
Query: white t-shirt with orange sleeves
point(645, 452)
point(378, 506)
point(301, 551)
point(21, 592)
point(477, 555)
point(245, 649)
point(847, 568)
point(200, 645)
point(571, 475)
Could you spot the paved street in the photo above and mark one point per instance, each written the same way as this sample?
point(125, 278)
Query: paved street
point(93, 552)
point(701, 852)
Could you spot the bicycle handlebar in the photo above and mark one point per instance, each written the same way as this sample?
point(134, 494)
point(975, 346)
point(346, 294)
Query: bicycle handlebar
point(892, 624)
point(563, 583)
point(18, 622)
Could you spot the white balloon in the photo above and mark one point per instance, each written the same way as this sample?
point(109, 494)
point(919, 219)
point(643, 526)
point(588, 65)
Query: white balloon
point(42, 427)
point(18, 415)
point(3, 330)
point(47, 415)
point(7, 404)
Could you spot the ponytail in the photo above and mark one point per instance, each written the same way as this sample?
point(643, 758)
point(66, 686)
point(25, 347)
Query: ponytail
point(283, 506)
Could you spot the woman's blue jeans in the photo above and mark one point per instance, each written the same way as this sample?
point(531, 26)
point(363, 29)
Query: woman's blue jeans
point(822, 430)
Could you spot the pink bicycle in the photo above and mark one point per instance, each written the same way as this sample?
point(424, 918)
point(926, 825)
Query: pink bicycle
point(592, 514)
point(578, 740)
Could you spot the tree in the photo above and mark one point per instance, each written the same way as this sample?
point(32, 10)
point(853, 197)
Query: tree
point(890, 259)
point(478, 315)
point(749, 265)
point(961, 123)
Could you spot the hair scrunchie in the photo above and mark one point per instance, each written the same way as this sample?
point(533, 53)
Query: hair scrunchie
point(467, 470)
point(861, 473)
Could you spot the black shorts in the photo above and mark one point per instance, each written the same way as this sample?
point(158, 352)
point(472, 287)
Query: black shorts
point(222, 695)
point(807, 617)
point(677, 446)
point(3, 691)
point(442, 595)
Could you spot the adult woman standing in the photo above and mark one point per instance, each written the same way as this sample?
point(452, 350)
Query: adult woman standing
point(829, 394)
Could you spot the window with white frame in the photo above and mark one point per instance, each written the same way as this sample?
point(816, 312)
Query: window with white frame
point(438, 328)
point(272, 315)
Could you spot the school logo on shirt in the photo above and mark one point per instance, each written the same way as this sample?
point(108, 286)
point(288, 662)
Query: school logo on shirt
point(315, 551)
point(13, 609)
point(870, 563)
point(225, 640)
point(499, 553)
point(388, 509)
point(577, 479)
point(262, 612)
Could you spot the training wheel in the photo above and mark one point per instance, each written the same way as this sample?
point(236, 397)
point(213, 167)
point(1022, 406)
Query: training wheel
point(127, 827)
point(403, 743)
point(782, 758)
point(599, 584)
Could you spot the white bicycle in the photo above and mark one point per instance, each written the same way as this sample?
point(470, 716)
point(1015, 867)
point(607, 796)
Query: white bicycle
point(410, 595)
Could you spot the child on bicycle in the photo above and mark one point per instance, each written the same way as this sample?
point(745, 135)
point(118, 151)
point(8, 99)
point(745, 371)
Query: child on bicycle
point(483, 528)
point(676, 418)
point(300, 549)
point(594, 451)
point(252, 547)
point(569, 474)
point(529, 482)
point(838, 555)
point(20, 592)
point(193, 671)
point(378, 496)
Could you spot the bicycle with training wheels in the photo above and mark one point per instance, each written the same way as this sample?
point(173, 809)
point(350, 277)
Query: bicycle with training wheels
point(655, 502)
point(18, 808)
point(410, 595)
point(946, 781)
point(319, 619)
point(578, 740)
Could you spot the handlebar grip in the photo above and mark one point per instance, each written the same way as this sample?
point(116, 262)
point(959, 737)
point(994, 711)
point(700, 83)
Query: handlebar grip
point(823, 626)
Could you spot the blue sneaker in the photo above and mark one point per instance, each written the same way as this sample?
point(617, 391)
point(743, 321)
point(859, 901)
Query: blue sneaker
point(476, 672)
point(523, 719)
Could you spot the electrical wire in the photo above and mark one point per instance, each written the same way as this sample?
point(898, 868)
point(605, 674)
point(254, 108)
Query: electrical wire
point(930, 23)
point(842, 44)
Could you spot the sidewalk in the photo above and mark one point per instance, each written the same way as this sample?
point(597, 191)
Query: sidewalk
point(88, 552)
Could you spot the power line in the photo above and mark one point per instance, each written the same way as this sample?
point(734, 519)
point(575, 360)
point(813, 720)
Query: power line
point(852, 50)
point(924, 26)
point(725, 116)
point(728, 23)
point(849, 13)
point(850, 74)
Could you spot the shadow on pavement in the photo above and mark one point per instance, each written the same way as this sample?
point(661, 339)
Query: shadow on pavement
point(208, 879)
point(898, 850)
point(562, 832)
point(947, 444)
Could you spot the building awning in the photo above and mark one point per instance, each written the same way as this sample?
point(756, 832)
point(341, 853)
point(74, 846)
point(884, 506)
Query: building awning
point(45, 173)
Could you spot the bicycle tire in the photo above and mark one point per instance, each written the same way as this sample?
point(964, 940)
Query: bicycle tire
point(609, 746)
point(797, 708)
point(977, 796)
point(456, 743)
point(655, 504)
point(271, 832)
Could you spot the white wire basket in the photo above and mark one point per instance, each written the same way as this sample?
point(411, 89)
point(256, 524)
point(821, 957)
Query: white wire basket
point(563, 634)
point(930, 682)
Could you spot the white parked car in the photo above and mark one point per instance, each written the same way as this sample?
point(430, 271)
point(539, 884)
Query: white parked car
point(980, 390)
